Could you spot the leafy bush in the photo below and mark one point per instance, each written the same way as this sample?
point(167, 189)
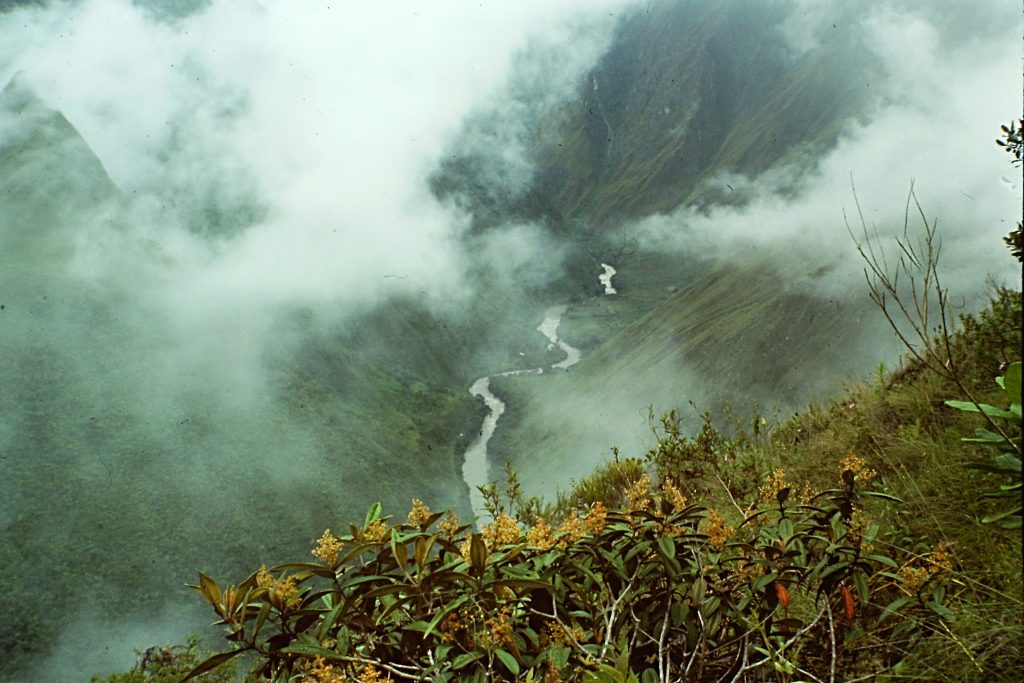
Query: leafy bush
point(168, 664)
point(1007, 440)
point(659, 589)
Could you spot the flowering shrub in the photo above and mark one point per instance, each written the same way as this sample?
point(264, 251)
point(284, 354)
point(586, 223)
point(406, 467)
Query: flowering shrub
point(656, 590)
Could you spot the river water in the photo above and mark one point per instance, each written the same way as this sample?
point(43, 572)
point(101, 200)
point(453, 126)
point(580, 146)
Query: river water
point(475, 466)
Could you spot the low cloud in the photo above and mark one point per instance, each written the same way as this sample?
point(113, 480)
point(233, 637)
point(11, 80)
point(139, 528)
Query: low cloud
point(939, 108)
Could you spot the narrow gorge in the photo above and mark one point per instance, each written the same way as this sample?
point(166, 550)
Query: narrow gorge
point(475, 468)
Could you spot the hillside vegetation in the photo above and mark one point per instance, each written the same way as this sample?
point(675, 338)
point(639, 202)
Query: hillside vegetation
point(846, 543)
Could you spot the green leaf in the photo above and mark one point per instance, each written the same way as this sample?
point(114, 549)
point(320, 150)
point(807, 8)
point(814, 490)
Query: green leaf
point(887, 561)
point(209, 589)
point(385, 590)
point(893, 607)
point(560, 656)
point(212, 663)
point(441, 614)
point(883, 496)
point(310, 650)
point(992, 469)
point(700, 587)
point(477, 552)
point(373, 514)
point(1002, 515)
point(464, 660)
point(399, 551)
point(667, 546)
point(763, 581)
point(860, 582)
point(991, 411)
point(261, 617)
point(508, 660)
point(941, 610)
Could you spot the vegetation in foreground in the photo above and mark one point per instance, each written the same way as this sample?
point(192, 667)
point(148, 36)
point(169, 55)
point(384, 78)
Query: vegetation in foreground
point(849, 543)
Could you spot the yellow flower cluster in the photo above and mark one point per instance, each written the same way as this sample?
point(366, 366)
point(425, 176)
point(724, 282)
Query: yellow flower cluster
point(283, 592)
point(322, 672)
point(501, 531)
point(596, 518)
point(912, 578)
point(937, 562)
point(456, 625)
point(449, 525)
point(328, 548)
point(638, 495)
point(375, 531)
point(859, 524)
point(858, 466)
point(552, 675)
point(371, 675)
point(717, 530)
point(419, 514)
point(673, 494)
point(557, 634)
point(575, 527)
point(541, 536)
point(940, 561)
point(776, 482)
point(499, 630)
point(571, 530)
point(466, 549)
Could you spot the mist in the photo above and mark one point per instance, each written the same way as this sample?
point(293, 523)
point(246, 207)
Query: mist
point(945, 89)
point(252, 255)
point(209, 216)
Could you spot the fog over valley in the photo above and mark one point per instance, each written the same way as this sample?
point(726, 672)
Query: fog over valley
point(254, 255)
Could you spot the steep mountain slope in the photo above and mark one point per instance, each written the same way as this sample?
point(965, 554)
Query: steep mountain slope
point(48, 178)
point(685, 90)
point(690, 89)
point(747, 335)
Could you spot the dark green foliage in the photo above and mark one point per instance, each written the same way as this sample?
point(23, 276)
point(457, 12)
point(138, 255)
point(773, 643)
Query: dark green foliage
point(659, 588)
point(169, 664)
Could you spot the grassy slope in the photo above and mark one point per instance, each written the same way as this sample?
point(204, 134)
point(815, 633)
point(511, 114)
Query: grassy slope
point(900, 425)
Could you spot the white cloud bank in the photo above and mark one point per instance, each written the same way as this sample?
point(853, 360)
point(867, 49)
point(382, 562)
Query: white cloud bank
point(329, 116)
point(945, 94)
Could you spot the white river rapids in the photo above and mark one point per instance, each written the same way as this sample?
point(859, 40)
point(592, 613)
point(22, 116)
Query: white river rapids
point(475, 465)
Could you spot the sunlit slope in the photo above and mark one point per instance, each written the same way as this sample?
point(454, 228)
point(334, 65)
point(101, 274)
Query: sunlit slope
point(742, 335)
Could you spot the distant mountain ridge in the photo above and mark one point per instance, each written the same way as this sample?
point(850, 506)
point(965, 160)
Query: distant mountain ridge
point(686, 90)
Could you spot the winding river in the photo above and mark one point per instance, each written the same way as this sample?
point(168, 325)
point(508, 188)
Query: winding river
point(475, 466)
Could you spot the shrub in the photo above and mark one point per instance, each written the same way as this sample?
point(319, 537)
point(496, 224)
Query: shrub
point(659, 589)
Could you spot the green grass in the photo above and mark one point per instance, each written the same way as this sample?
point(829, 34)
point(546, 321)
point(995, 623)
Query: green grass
point(901, 426)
